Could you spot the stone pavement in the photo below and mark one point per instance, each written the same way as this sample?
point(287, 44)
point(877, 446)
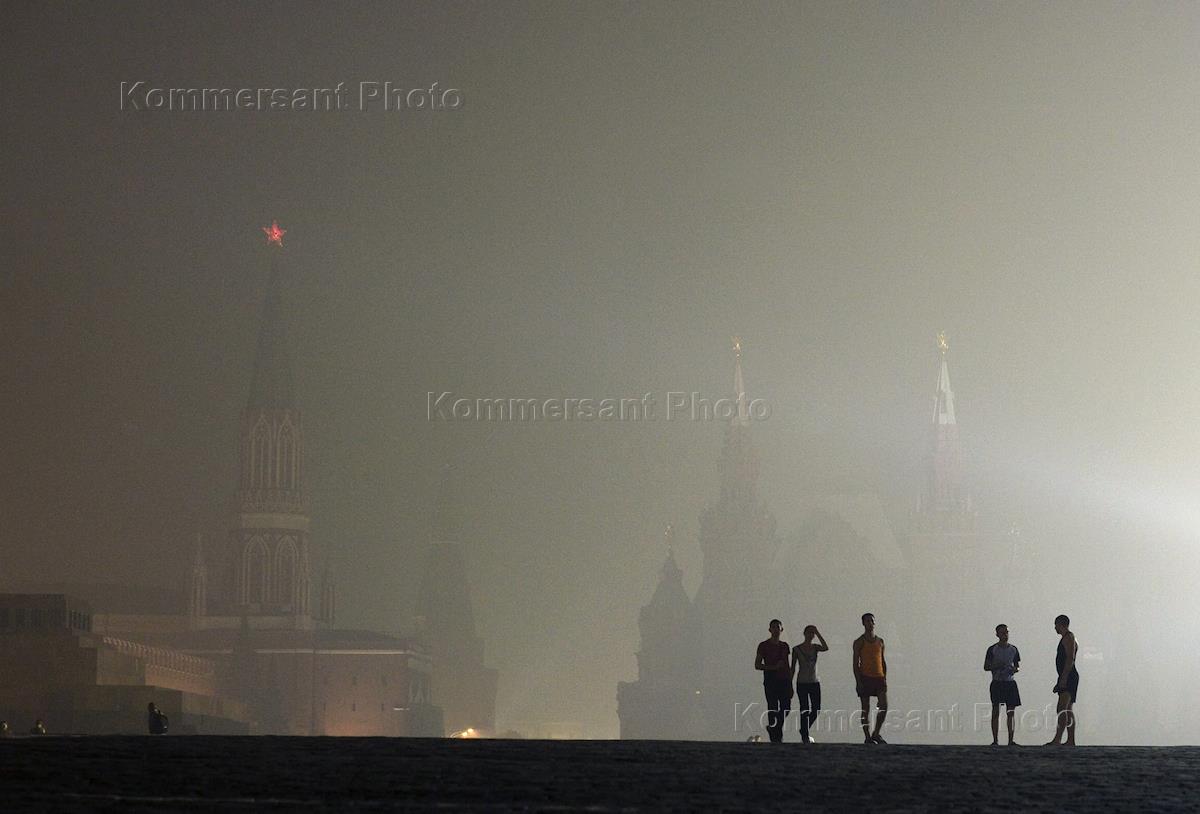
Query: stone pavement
point(230, 773)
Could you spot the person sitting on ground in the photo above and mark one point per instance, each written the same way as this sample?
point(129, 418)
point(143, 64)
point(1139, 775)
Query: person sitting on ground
point(156, 719)
point(39, 728)
point(3, 729)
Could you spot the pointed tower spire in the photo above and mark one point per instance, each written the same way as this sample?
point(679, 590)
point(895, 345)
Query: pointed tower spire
point(945, 493)
point(273, 384)
point(742, 417)
point(943, 401)
point(670, 584)
point(670, 567)
point(739, 463)
point(267, 566)
point(662, 701)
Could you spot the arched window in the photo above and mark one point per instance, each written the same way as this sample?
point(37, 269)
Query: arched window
point(287, 458)
point(285, 570)
point(256, 572)
point(260, 455)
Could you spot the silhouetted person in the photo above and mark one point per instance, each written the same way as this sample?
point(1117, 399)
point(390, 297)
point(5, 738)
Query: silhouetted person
point(39, 728)
point(1003, 661)
point(870, 678)
point(156, 719)
point(772, 659)
point(808, 686)
point(1066, 687)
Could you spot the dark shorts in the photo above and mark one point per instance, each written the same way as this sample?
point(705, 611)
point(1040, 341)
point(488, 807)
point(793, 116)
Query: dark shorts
point(1005, 692)
point(1072, 686)
point(871, 685)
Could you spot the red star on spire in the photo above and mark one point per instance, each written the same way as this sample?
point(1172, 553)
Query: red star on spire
point(274, 233)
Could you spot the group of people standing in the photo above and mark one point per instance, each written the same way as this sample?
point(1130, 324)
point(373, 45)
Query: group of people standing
point(781, 664)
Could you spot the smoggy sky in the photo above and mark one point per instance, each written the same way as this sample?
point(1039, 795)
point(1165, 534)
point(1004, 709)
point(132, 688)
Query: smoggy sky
point(624, 187)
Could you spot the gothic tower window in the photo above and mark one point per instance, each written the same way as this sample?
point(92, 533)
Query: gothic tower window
point(256, 572)
point(260, 451)
point(285, 585)
point(287, 458)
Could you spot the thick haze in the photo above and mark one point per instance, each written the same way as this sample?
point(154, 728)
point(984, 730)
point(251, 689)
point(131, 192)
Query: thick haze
point(624, 188)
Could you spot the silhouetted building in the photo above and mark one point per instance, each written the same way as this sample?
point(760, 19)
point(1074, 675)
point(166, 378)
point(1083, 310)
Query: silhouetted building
point(733, 603)
point(463, 687)
point(738, 542)
point(58, 669)
point(665, 700)
point(267, 562)
point(253, 626)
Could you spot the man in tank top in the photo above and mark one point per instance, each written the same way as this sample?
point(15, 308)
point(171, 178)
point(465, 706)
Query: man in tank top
point(870, 678)
point(1066, 684)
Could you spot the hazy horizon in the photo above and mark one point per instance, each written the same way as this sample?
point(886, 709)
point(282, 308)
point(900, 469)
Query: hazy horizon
point(624, 188)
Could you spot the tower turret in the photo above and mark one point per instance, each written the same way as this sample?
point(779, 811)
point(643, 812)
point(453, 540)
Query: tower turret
point(268, 566)
point(665, 701)
point(737, 540)
point(737, 532)
point(945, 501)
point(461, 685)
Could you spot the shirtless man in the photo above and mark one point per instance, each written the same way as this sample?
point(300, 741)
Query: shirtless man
point(870, 677)
point(1067, 685)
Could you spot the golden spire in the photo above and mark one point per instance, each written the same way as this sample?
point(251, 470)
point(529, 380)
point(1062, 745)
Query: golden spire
point(737, 345)
point(943, 342)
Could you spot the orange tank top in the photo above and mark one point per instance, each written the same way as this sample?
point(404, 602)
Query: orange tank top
point(871, 658)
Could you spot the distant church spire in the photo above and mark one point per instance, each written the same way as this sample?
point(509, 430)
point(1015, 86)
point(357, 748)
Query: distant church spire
point(943, 402)
point(663, 702)
point(742, 417)
point(739, 462)
point(670, 594)
point(945, 494)
point(737, 533)
point(670, 567)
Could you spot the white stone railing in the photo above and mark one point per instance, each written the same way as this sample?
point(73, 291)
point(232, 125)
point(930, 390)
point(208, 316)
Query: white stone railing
point(169, 668)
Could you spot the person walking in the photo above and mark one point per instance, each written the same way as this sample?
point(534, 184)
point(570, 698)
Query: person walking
point(808, 686)
point(772, 660)
point(870, 678)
